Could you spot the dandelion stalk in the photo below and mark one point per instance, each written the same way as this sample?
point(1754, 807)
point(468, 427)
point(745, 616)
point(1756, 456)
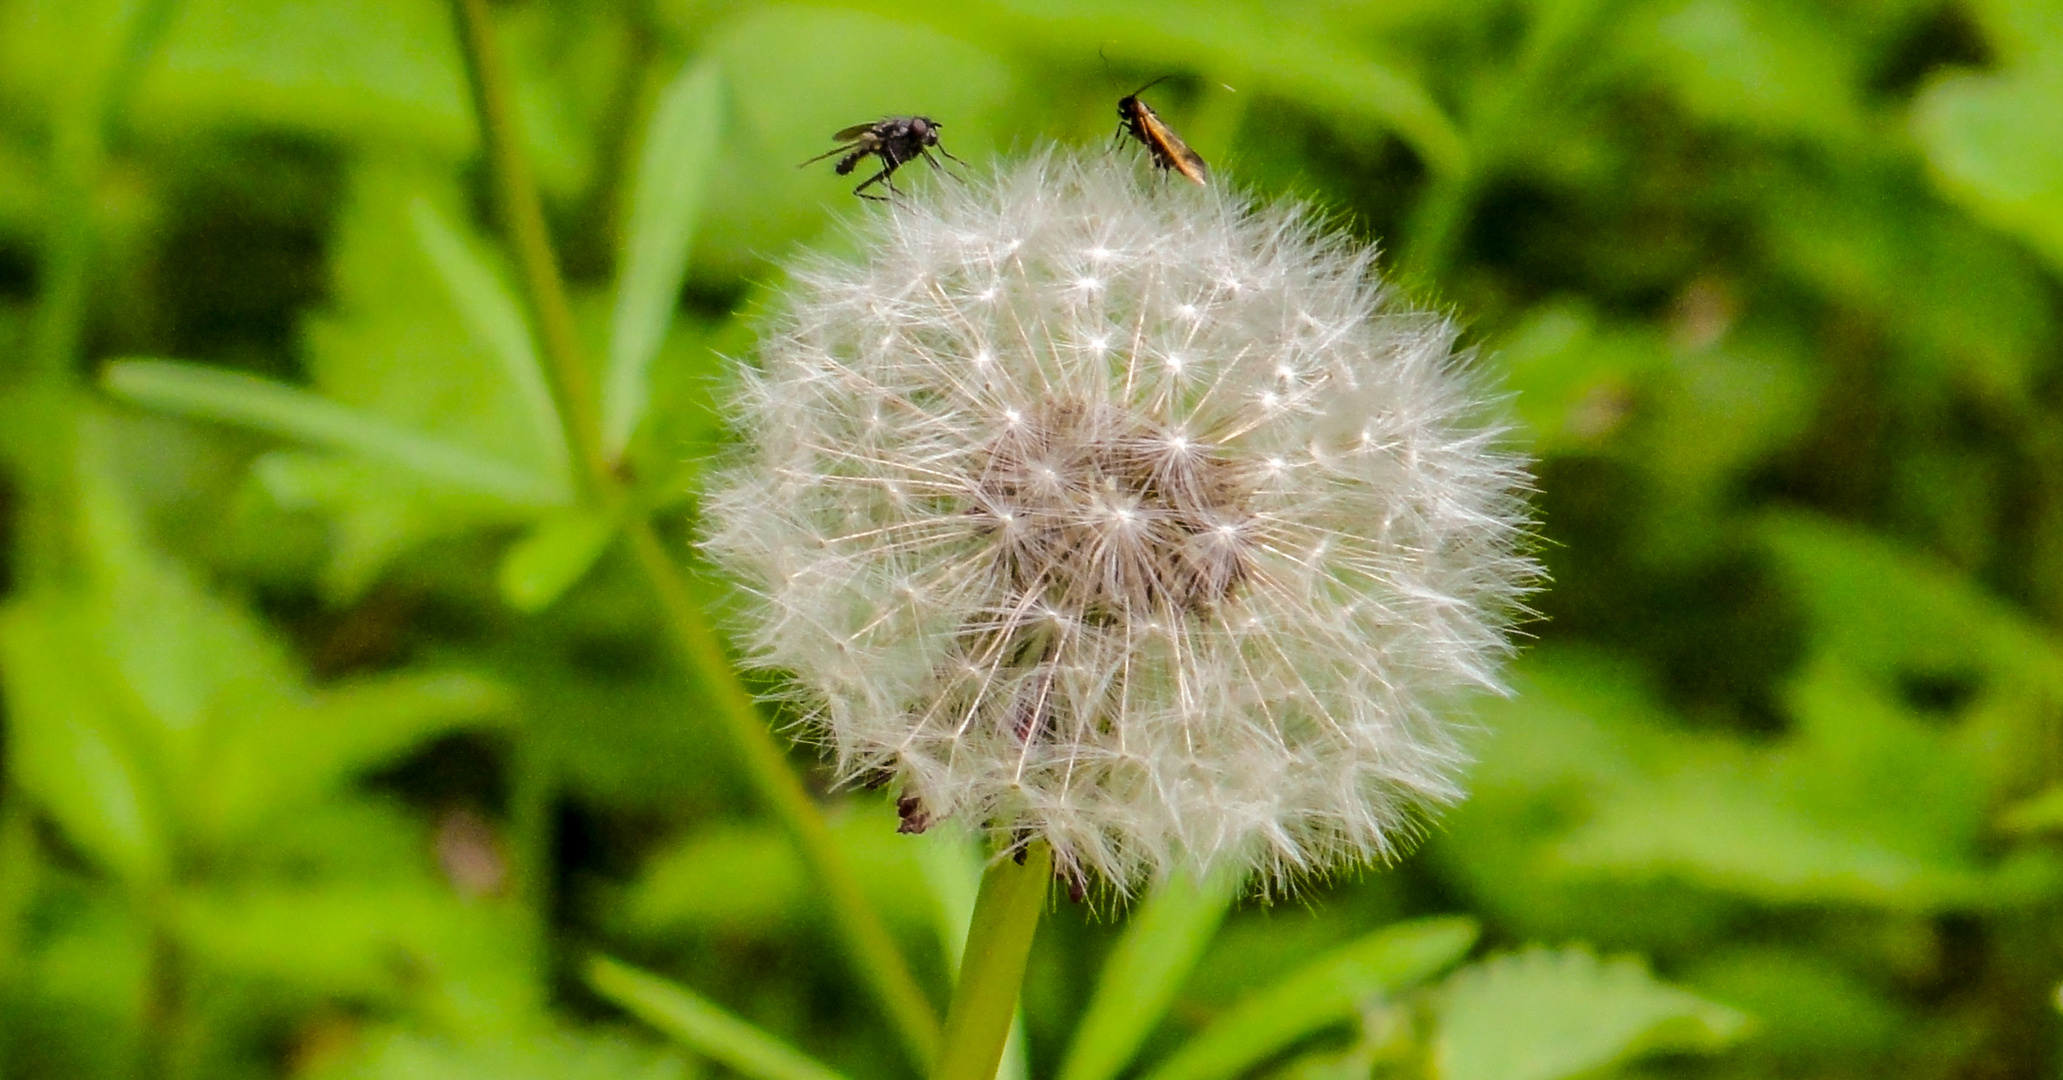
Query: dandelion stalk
point(866, 937)
point(999, 938)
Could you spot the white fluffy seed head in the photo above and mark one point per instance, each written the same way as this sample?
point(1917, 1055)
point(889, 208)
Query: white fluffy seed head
point(1125, 515)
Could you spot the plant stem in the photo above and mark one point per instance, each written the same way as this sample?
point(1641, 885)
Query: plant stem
point(41, 416)
point(999, 938)
point(165, 1053)
point(533, 795)
point(1435, 226)
point(865, 936)
point(523, 218)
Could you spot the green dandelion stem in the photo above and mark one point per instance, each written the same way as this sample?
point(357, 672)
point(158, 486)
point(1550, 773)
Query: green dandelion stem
point(999, 938)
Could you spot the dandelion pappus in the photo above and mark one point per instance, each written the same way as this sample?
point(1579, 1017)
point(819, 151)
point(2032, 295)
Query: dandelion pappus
point(1169, 152)
point(893, 139)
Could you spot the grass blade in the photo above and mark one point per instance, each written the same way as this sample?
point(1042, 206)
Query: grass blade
point(1323, 992)
point(263, 405)
point(701, 1025)
point(1145, 972)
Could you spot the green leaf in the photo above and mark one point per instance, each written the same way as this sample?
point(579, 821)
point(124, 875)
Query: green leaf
point(244, 400)
point(375, 512)
point(747, 879)
point(1546, 1014)
point(328, 937)
point(951, 862)
point(1808, 820)
point(69, 743)
point(1807, 1007)
point(701, 1024)
point(1769, 66)
point(1580, 728)
point(92, 968)
point(556, 553)
point(282, 759)
point(156, 715)
point(1975, 130)
point(680, 150)
point(392, 343)
point(379, 75)
point(483, 300)
point(1322, 993)
point(1146, 970)
point(1865, 596)
point(1874, 238)
point(321, 68)
point(1574, 382)
point(2024, 32)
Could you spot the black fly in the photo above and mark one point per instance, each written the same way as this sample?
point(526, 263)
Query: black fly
point(893, 139)
point(1137, 119)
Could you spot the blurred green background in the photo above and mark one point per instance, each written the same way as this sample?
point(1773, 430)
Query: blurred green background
point(337, 739)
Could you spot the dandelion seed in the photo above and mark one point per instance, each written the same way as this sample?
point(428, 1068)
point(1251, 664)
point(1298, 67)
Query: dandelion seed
point(1214, 615)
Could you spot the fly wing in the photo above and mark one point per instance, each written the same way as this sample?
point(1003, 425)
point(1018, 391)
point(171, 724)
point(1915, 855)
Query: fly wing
point(860, 132)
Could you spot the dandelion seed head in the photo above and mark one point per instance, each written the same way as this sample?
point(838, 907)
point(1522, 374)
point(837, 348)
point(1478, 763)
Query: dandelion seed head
point(1199, 592)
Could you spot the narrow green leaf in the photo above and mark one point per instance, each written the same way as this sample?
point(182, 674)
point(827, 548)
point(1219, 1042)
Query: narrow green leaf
point(1326, 991)
point(540, 567)
point(701, 1024)
point(950, 861)
point(1145, 972)
point(680, 150)
point(493, 316)
point(1547, 1015)
point(246, 401)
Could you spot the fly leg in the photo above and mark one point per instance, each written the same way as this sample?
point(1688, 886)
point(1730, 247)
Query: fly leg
point(883, 178)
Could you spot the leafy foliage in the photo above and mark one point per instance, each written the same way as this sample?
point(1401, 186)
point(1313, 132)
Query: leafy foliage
point(1543, 1015)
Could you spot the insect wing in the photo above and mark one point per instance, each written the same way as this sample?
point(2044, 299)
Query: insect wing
point(1188, 162)
point(1169, 151)
point(859, 132)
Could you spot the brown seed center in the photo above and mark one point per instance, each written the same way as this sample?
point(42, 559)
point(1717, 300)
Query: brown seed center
point(1099, 512)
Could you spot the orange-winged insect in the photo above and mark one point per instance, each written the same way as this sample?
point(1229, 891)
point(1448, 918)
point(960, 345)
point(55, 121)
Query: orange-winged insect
point(1137, 119)
point(893, 139)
